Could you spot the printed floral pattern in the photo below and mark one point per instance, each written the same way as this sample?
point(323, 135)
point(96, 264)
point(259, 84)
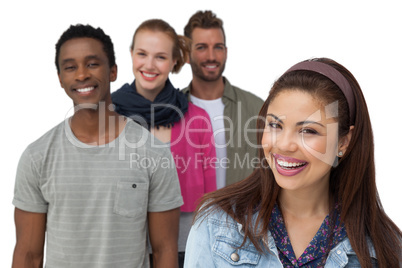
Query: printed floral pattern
point(315, 254)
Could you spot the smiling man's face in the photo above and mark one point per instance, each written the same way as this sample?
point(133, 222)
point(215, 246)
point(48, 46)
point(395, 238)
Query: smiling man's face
point(208, 54)
point(85, 74)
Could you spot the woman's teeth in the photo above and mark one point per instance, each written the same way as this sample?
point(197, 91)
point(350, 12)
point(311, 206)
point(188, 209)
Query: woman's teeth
point(290, 164)
point(149, 75)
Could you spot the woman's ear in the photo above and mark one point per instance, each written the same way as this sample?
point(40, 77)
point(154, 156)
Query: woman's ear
point(344, 142)
point(174, 64)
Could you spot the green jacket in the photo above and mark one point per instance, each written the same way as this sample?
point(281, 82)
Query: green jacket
point(240, 113)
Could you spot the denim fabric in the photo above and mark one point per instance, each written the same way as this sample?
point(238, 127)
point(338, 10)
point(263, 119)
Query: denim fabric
point(213, 241)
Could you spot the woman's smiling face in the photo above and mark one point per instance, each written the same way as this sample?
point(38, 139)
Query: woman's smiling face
point(152, 58)
point(300, 140)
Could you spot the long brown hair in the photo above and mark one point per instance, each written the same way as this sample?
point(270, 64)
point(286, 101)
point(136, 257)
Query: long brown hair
point(181, 44)
point(352, 180)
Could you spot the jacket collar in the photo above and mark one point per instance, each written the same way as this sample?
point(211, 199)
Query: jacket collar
point(270, 242)
point(346, 247)
point(228, 92)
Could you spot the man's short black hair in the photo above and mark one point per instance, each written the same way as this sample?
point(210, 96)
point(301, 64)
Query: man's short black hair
point(79, 31)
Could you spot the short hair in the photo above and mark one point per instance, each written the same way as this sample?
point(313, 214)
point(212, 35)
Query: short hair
point(205, 20)
point(81, 31)
point(181, 44)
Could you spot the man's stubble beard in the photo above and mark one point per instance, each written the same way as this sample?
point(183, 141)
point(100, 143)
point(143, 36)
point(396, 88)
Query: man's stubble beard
point(197, 72)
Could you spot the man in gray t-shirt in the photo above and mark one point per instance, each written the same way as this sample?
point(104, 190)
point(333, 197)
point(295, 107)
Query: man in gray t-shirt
point(97, 182)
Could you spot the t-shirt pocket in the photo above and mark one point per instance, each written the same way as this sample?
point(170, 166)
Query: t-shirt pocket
point(131, 199)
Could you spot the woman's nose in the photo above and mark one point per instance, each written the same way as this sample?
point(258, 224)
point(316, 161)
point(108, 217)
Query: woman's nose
point(286, 141)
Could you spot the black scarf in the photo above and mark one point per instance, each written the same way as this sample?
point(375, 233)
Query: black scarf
point(129, 103)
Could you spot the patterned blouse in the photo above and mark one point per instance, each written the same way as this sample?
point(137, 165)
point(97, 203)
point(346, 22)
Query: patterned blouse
point(315, 254)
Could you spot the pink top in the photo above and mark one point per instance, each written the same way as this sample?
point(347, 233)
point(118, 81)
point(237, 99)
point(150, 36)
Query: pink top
point(192, 146)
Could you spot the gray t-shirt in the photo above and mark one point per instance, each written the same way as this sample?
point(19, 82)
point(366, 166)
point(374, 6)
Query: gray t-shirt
point(97, 197)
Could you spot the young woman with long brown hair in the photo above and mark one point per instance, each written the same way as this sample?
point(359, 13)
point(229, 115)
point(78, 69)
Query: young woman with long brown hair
point(312, 201)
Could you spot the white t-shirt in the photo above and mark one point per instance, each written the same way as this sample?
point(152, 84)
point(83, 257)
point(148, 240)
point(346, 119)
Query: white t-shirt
point(97, 197)
point(215, 108)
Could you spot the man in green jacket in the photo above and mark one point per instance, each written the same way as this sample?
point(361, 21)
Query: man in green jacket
point(233, 111)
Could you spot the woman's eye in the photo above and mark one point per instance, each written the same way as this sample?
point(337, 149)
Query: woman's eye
point(274, 125)
point(308, 131)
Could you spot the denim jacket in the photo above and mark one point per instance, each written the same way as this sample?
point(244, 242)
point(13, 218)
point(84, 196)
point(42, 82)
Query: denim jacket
point(213, 241)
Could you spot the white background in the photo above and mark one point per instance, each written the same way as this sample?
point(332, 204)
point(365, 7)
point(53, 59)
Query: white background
point(264, 38)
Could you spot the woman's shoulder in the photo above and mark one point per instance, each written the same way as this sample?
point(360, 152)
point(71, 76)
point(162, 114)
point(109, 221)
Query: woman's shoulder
point(194, 118)
point(196, 110)
point(213, 213)
point(218, 218)
point(343, 255)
